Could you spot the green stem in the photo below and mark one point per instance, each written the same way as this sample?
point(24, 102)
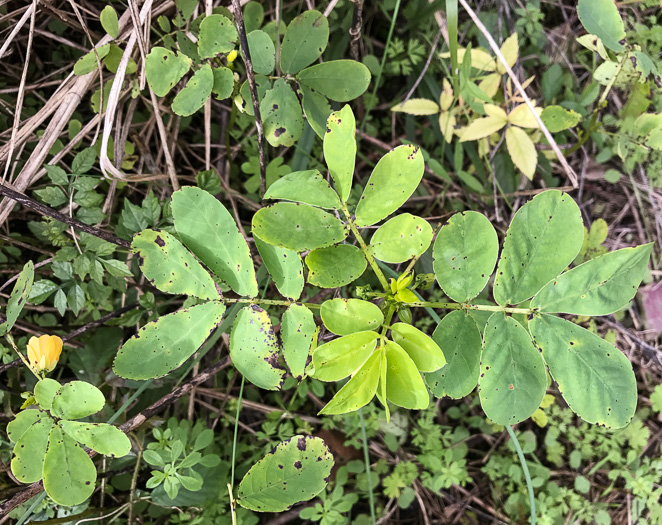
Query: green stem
point(371, 260)
point(527, 475)
point(465, 306)
point(366, 457)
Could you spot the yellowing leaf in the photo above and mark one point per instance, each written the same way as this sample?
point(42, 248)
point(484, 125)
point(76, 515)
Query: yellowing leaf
point(593, 43)
point(490, 84)
point(482, 127)
point(509, 50)
point(446, 98)
point(523, 117)
point(417, 106)
point(495, 111)
point(522, 151)
point(479, 59)
point(447, 125)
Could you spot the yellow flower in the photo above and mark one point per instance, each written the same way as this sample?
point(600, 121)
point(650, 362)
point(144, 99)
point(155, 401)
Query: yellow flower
point(231, 56)
point(44, 352)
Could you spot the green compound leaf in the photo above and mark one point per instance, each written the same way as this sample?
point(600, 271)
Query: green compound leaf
point(284, 266)
point(425, 352)
point(194, 95)
point(105, 439)
point(297, 227)
point(263, 52)
point(459, 336)
point(512, 373)
point(404, 385)
point(557, 118)
point(214, 238)
point(297, 329)
point(28, 461)
point(394, 179)
point(281, 114)
point(22, 422)
point(317, 109)
point(347, 316)
point(164, 69)
point(217, 35)
point(88, 62)
point(401, 238)
point(341, 357)
point(601, 18)
point(223, 82)
point(359, 390)
point(594, 377)
point(76, 400)
point(254, 348)
point(308, 187)
point(163, 345)
point(69, 473)
point(18, 297)
point(464, 255)
point(335, 266)
point(44, 392)
point(304, 42)
point(109, 21)
point(600, 286)
point(544, 237)
point(338, 80)
point(296, 470)
point(340, 149)
point(170, 267)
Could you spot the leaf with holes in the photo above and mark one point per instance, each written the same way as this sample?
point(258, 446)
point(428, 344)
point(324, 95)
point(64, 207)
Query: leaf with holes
point(594, 377)
point(170, 267)
point(297, 329)
point(347, 316)
point(512, 373)
point(543, 238)
point(164, 69)
point(395, 177)
point(460, 338)
point(297, 227)
point(464, 254)
point(340, 149)
point(281, 115)
point(295, 470)
point(304, 42)
point(76, 400)
point(163, 345)
point(600, 286)
point(335, 266)
point(254, 348)
point(214, 238)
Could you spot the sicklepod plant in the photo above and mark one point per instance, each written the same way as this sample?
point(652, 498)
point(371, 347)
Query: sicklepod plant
point(511, 356)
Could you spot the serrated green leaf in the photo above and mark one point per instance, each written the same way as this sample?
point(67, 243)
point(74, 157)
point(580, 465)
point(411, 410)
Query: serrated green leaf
point(304, 42)
point(76, 400)
point(600, 286)
point(164, 69)
point(170, 267)
point(69, 473)
point(214, 238)
point(340, 149)
point(395, 177)
point(404, 385)
point(281, 115)
point(297, 329)
point(595, 379)
point(284, 266)
point(163, 345)
point(297, 227)
point(192, 97)
point(105, 439)
point(544, 237)
point(342, 357)
point(460, 338)
point(464, 254)
point(401, 238)
point(338, 80)
point(424, 352)
point(308, 187)
point(217, 35)
point(335, 266)
point(512, 373)
point(254, 348)
point(347, 316)
point(295, 470)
